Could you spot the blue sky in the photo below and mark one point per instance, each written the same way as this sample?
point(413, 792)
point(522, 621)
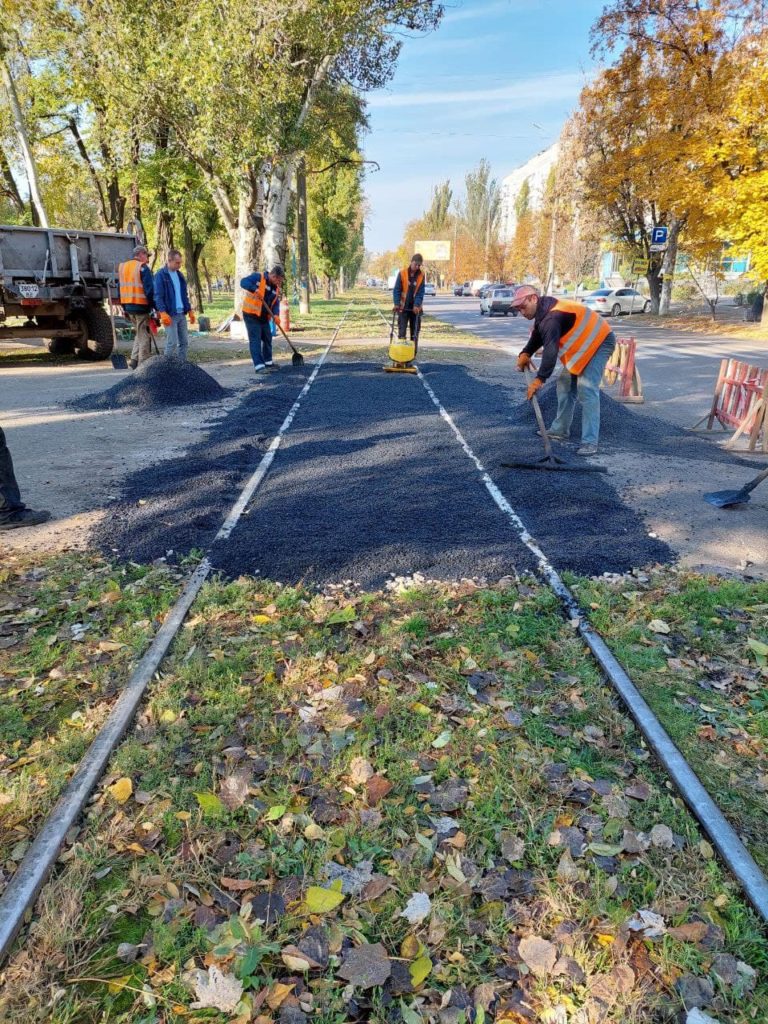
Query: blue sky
point(497, 80)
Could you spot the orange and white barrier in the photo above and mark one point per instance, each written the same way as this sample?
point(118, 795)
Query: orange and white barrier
point(622, 370)
point(740, 401)
point(285, 315)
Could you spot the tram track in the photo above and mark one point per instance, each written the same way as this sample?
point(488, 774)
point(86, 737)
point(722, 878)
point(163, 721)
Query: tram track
point(40, 858)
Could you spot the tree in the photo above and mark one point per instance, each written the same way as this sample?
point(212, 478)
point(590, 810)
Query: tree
point(334, 201)
point(481, 210)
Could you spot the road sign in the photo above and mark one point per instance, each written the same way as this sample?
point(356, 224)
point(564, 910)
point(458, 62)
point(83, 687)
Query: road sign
point(639, 266)
point(658, 237)
point(432, 250)
point(657, 246)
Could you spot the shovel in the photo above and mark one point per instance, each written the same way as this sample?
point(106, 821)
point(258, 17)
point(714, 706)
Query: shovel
point(550, 460)
point(724, 499)
point(297, 358)
point(119, 362)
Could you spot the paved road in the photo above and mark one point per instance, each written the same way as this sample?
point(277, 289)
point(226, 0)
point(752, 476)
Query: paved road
point(678, 368)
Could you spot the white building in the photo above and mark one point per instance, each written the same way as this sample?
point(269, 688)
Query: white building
point(536, 172)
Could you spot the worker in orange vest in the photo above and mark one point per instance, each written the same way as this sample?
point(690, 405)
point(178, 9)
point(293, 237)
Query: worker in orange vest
point(260, 303)
point(408, 299)
point(136, 296)
point(584, 342)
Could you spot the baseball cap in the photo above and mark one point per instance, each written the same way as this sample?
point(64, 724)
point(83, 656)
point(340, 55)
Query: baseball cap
point(522, 293)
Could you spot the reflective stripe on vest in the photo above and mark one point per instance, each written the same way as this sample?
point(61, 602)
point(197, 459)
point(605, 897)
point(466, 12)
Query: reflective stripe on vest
point(586, 336)
point(253, 301)
point(131, 289)
point(404, 284)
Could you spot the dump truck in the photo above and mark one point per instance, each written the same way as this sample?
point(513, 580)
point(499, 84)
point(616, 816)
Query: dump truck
point(57, 280)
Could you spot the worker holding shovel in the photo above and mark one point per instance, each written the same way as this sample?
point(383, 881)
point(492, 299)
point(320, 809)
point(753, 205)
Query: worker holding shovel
point(260, 305)
point(408, 299)
point(584, 343)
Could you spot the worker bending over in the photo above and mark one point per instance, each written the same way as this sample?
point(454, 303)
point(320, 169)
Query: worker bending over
point(260, 305)
point(408, 299)
point(584, 342)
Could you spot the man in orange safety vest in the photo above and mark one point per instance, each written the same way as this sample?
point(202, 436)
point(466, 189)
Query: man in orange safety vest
point(584, 342)
point(136, 296)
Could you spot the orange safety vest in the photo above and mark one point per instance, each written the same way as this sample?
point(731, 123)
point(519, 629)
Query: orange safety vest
point(253, 301)
point(589, 331)
point(131, 288)
point(404, 283)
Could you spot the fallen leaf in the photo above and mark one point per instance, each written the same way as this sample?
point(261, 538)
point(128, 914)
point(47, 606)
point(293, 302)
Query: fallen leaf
point(121, 790)
point(663, 837)
point(417, 908)
point(321, 901)
point(652, 925)
point(278, 993)
point(420, 970)
point(360, 771)
point(512, 848)
point(377, 788)
point(539, 954)
point(233, 791)
point(442, 740)
point(216, 990)
point(694, 931)
point(659, 626)
point(210, 804)
point(377, 886)
point(297, 960)
point(275, 813)
point(366, 966)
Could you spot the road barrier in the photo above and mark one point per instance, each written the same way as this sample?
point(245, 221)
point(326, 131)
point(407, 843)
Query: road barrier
point(622, 369)
point(740, 402)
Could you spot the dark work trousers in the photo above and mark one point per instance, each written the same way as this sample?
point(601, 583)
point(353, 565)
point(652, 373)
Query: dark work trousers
point(411, 320)
point(10, 498)
point(259, 339)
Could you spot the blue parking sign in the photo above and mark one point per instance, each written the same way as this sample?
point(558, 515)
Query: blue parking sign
point(658, 236)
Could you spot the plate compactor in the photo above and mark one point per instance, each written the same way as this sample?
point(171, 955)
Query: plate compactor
point(401, 351)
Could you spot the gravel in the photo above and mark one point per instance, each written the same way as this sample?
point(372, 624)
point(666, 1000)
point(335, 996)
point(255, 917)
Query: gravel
point(370, 484)
point(159, 381)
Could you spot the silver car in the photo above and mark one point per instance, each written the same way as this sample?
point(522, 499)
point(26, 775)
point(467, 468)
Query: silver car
point(615, 301)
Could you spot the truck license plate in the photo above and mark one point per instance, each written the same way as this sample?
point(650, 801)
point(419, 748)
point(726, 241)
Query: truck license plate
point(28, 291)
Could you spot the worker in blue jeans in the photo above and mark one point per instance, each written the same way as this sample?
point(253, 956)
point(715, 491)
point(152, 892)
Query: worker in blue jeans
point(14, 514)
point(584, 343)
point(261, 304)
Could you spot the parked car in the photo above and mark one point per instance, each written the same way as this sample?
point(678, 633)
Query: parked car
point(615, 301)
point(429, 289)
point(489, 287)
point(475, 286)
point(497, 301)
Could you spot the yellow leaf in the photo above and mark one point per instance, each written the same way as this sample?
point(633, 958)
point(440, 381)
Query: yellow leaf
point(167, 715)
point(419, 970)
point(110, 645)
point(121, 790)
point(116, 985)
point(262, 620)
point(410, 947)
point(320, 901)
point(183, 815)
point(278, 993)
point(605, 940)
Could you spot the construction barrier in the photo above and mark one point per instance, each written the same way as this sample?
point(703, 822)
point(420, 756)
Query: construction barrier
point(622, 369)
point(285, 315)
point(740, 402)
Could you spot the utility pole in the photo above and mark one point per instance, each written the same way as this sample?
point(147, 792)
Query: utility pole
point(303, 233)
point(551, 261)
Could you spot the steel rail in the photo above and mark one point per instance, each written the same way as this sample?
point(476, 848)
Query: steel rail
point(26, 883)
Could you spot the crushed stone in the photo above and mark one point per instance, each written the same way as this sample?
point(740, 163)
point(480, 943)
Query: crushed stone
point(158, 382)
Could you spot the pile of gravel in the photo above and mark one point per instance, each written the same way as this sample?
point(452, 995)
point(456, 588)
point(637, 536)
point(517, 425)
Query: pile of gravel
point(158, 382)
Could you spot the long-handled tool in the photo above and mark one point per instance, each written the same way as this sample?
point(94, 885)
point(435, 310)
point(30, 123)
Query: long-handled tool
point(550, 460)
point(402, 352)
point(724, 499)
point(119, 362)
point(297, 358)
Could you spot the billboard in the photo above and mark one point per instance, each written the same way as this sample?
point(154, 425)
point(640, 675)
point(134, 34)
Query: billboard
point(431, 250)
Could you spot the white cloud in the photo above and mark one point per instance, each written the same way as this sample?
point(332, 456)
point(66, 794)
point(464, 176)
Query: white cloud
point(476, 12)
point(532, 91)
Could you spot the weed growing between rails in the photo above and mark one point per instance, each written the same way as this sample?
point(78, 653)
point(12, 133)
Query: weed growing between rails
point(425, 795)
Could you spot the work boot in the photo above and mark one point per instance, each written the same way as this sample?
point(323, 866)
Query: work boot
point(271, 366)
point(24, 517)
point(259, 367)
point(587, 449)
point(554, 437)
point(133, 363)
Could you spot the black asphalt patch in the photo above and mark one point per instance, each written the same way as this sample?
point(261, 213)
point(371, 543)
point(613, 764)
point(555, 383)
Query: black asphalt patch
point(371, 482)
point(159, 381)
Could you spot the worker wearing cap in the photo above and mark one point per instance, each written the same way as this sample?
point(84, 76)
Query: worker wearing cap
point(260, 307)
point(584, 343)
point(408, 299)
point(136, 296)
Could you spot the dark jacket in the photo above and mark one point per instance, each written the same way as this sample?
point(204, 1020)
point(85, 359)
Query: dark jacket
point(409, 300)
point(165, 296)
point(149, 291)
point(548, 329)
point(250, 284)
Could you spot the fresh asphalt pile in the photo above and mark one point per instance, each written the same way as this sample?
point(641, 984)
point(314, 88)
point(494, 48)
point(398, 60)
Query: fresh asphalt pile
point(160, 381)
point(370, 482)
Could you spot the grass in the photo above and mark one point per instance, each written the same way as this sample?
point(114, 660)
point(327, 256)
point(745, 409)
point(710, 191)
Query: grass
point(250, 773)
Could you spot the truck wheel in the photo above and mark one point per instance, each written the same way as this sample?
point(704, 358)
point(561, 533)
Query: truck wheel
point(60, 346)
point(98, 334)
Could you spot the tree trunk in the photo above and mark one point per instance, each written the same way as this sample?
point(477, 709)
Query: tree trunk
point(8, 186)
point(668, 265)
point(247, 248)
point(24, 143)
point(207, 276)
point(82, 150)
point(275, 240)
point(191, 259)
point(327, 286)
point(135, 198)
point(303, 233)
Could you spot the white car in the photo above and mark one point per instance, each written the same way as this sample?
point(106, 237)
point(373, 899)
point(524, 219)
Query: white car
point(615, 301)
point(429, 289)
point(497, 301)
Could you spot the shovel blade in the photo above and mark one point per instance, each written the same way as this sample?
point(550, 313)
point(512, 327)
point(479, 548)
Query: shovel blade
point(119, 362)
point(722, 499)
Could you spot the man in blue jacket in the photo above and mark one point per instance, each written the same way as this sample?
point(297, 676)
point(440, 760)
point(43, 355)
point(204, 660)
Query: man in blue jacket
point(260, 305)
point(172, 303)
point(136, 296)
point(408, 299)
